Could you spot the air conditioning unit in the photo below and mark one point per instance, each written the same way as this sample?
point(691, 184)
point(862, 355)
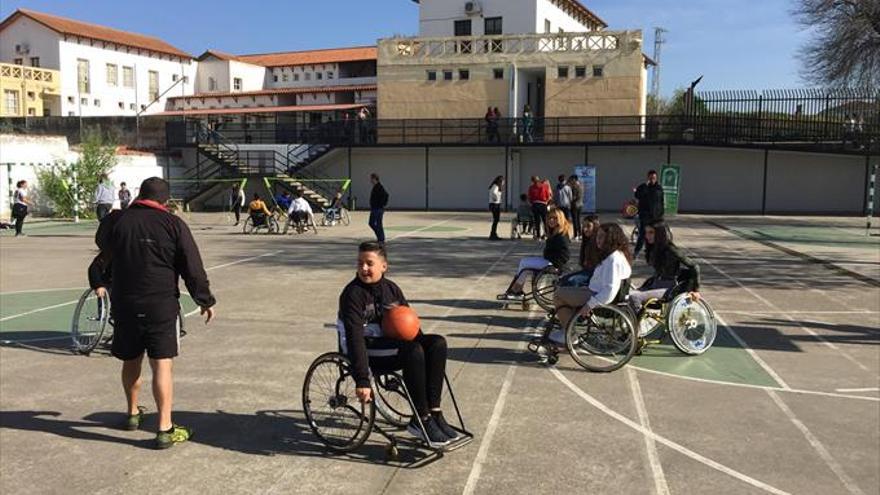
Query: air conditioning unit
point(22, 49)
point(473, 8)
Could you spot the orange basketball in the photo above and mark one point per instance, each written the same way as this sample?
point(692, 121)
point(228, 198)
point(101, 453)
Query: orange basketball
point(401, 323)
point(630, 210)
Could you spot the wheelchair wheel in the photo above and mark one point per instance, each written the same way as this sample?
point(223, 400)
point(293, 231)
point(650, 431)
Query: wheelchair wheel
point(344, 217)
point(634, 235)
point(327, 219)
point(90, 320)
point(514, 229)
point(604, 341)
point(692, 326)
point(544, 287)
point(391, 401)
point(248, 226)
point(272, 226)
point(650, 318)
point(331, 407)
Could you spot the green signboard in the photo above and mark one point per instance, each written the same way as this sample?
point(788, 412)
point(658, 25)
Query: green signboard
point(670, 180)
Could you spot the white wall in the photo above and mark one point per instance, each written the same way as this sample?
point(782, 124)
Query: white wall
point(296, 76)
point(436, 17)
point(42, 41)
point(558, 19)
point(110, 96)
point(252, 76)
point(716, 179)
point(217, 69)
point(821, 183)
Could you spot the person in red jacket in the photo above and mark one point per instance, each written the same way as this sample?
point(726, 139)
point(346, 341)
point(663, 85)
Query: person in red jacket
point(539, 196)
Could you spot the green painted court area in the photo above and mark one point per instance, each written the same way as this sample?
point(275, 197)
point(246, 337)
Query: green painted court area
point(851, 237)
point(46, 314)
point(426, 228)
point(55, 227)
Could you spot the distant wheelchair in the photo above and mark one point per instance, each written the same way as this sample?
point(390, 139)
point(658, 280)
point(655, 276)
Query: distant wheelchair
point(257, 222)
point(603, 341)
point(301, 222)
point(336, 216)
point(520, 225)
point(343, 423)
point(690, 324)
point(541, 288)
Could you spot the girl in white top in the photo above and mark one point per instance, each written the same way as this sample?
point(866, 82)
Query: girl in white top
point(495, 205)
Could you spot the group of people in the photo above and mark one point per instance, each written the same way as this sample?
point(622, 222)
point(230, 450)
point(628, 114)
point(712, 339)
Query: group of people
point(527, 122)
point(568, 198)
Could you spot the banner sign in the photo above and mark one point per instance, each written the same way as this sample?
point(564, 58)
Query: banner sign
point(587, 175)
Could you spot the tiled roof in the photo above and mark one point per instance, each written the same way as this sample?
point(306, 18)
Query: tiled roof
point(582, 10)
point(291, 108)
point(283, 91)
point(311, 57)
point(218, 55)
point(102, 33)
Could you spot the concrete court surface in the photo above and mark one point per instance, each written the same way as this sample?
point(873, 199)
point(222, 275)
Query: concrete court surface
point(786, 401)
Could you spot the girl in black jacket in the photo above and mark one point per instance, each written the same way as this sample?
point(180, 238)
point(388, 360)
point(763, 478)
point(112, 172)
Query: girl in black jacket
point(671, 267)
point(556, 253)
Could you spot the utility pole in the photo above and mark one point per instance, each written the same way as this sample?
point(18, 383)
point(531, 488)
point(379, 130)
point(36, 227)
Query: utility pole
point(659, 40)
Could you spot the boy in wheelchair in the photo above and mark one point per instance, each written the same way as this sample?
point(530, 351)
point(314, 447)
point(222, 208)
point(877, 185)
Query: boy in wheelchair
point(300, 212)
point(258, 211)
point(522, 223)
point(423, 360)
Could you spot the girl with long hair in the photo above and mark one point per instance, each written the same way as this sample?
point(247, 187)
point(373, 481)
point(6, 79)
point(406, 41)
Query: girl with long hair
point(671, 267)
point(556, 253)
point(495, 193)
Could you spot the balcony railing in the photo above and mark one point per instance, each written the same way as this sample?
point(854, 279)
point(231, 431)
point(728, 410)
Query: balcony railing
point(399, 49)
point(29, 73)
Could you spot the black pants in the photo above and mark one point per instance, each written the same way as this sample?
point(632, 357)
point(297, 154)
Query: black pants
point(495, 208)
point(576, 220)
point(423, 361)
point(643, 224)
point(237, 210)
point(102, 209)
point(19, 211)
point(376, 215)
point(539, 218)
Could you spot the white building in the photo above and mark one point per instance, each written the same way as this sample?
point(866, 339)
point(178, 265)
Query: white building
point(104, 71)
point(442, 18)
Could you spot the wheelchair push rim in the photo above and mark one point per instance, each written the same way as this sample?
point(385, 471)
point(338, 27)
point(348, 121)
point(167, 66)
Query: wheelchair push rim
point(332, 408)
point(391, 401)
point(691, 325)
point(544, 288)
point(603, 341)
point(90, 320)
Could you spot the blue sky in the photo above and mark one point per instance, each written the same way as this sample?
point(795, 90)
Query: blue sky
point(736, 44)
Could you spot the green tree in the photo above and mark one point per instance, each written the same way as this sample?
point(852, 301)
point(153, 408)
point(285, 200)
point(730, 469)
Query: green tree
point(63, 182)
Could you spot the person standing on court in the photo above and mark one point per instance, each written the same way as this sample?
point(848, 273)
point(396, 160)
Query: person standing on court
point(577, 203)
point(563, 198)
point(539, 196)
point(124, 196)
point(495, 205)
point(651, 207)
point(20, 204)
point(378, 202)
point(104, 197)
point(145, 250)
point(236, 202)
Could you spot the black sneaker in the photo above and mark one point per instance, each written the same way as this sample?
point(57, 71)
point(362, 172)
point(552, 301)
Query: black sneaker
point(432, 432)
point(444, 426)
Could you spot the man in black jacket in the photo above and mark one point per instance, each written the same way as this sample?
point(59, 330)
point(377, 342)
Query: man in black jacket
point(651, 206)
point(378, 202)
point(144, 251)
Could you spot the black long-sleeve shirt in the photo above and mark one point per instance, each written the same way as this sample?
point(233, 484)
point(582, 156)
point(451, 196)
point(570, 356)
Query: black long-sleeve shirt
point(556, 250)
point(668, 265)
point(145, 251)
point(378, 197)
point(651, 202)
point(361, 304)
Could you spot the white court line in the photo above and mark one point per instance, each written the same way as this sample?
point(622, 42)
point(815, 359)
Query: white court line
point(768, 312)
point(663, 440)
point(47, 308)
point(763, 364)
point(42, 339)
point(660, 485)
point(817, 446)
point(273, 253)
point(492, 427)
point(866, 389)
point(420, 229)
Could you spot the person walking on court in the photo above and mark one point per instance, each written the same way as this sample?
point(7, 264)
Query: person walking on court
point(236, 202)
point(20, 204)
point(539, 196)
point(495, 205)
point(577, 204)
point(378, 202)
point(651, 207)
point(104, 197)
point(124, 196)
point(145, 250)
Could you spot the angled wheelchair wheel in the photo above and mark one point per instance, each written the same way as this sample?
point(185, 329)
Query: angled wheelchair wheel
point(604, 341)
point(344, 217)
point(391, 401)
point(249, 227)
point(634, 235)
point(544, 288)
point(691, 325)
point(312, 226)
point(514, 229)
point(272, 226)
point(650, 318)
point(90, 319)
point(332, 409)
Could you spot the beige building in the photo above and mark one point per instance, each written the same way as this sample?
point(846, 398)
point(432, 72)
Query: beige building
point(29, 91)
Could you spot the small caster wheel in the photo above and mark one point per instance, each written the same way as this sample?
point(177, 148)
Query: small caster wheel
point(552, 359)
point(392, 452)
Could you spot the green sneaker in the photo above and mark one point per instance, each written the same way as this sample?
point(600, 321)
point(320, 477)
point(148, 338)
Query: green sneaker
point(177, 434)
point(134, 421)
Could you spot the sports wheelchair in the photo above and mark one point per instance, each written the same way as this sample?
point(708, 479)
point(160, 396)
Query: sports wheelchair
point(260, 221)
point(690, 324)
point(542, 288)
point(334, 216)
point(343, 423)
point(520, 225)
point(301, 225)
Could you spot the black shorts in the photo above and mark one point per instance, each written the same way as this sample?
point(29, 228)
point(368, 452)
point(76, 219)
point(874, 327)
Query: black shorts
point(132, 336)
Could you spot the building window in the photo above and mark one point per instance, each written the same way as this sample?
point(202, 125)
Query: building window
point(131, 106)
point(498, 73)
point(492, 26)
point(32, 112)
point(84, 102)
point(128, 77)
point(580, 71)
point(464, 74)
point(97, 102)
point(71, 114)
point(153, 85)
point(598, 70)
point(295, 77)
point(31, 95)
point(463, 28)
point(112, 75)
point(308, 76)
point(212, 84)
point(547, 26)
point(70, 100)
point(236, 84)
point(432, 75)
point(18, 61)
point(121, 105)
point(319, 76)
point(10, 96)
point(562, 72)
point(35, 61)
point(275, 78)
point(143, 107)
point(173, 77)
point(330, 75)
point(47, 112)
point(447, 75)
point(82, 75)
